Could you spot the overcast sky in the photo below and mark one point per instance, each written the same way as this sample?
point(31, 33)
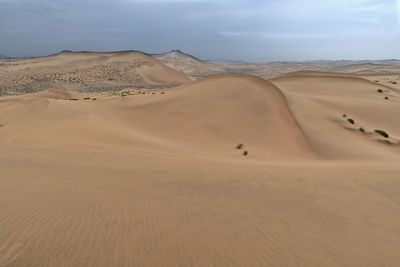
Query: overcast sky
point(219, 30)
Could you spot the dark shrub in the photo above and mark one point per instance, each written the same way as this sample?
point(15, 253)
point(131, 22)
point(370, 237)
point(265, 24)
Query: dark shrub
point(351, 121)
point(362, 130)
point(239, 146)
point(73, 99)
point(94, 99)
point(245, 153)
point(344, 115)
point(386, 97)
point(383, 133)
point(380, 91)
point(86, 98)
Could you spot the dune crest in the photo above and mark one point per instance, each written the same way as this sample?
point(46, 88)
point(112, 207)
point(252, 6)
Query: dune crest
point(218, 112)
point(54, 94)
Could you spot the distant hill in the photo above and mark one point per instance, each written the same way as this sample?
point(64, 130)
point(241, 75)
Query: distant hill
point(176, 54)
point(3, 56)
point(87, 71)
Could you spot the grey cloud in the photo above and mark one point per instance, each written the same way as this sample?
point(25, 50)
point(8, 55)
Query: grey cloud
point(237, 30)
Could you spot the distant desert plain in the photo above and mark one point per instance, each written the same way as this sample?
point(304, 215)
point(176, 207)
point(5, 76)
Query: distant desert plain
point(132, 159)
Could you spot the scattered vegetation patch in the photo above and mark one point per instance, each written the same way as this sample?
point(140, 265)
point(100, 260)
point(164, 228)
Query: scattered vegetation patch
point(351, 121)
point(383, 133)
point(94, 98)
point(362, 130)
point(344, 116)
point(386, 97)
point(380, 91)
point(239, 146)
point(245, 153)
point(86, 98)
point(73, 99)
point(162, 93)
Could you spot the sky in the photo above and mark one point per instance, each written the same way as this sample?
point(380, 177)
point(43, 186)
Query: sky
point(252, 30)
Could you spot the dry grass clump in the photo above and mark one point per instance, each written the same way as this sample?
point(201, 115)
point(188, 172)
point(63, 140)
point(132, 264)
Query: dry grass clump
point(351, 121)
point(383, 133)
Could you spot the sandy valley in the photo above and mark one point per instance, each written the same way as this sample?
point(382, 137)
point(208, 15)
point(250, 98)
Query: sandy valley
point(117, 159)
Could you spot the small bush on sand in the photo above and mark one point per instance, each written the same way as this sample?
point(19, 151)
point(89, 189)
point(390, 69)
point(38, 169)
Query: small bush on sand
point(94, 98)
point(386, 97)
point(73, 99)
point(245, 153)
point(86, 98)
point(383, 133)
point(380, 91)
point(239, 146)
point(362, 130)
point(344, 116)
point(351, 121)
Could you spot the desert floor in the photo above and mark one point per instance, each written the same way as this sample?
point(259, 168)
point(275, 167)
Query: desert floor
point(152, 177)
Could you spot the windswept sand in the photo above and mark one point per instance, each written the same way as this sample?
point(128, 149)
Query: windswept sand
point(153, 178)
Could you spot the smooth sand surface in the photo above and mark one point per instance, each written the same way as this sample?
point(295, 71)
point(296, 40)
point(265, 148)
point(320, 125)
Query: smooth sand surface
point(153, 177)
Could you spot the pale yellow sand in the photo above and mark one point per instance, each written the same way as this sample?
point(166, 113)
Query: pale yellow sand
point(156, 180)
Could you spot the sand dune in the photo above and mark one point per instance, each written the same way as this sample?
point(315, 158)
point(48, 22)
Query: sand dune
point(86, 71)
point(369, 68)
point(217, 113)
point(153, 177)
point(319, 109)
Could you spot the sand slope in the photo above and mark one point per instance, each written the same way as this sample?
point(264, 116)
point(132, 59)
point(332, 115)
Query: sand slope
point(153, 178)
point(319, 101)
point(215, 114)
